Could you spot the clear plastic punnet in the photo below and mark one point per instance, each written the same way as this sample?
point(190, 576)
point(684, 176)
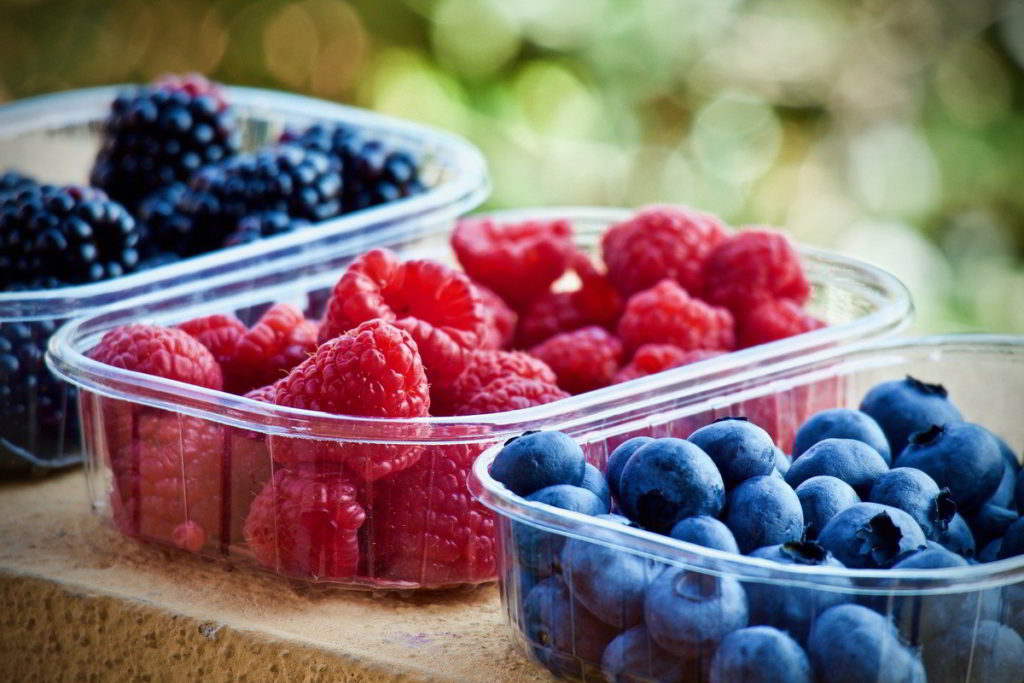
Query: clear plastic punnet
point(55, 139)
point(957, 624)
point(419, 528)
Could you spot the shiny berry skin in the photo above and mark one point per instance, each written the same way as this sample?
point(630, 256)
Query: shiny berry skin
point(161, 351)
point(537, 460)
point(666, 314)
point(773, 320)
point(582, 360)
point(903, 407)
point(163, 228)
point(752, 267)
point(511, 393)
point(279, 341)
point(484, 368)
point(218, 333)
point(501, 327)
point(652, 358)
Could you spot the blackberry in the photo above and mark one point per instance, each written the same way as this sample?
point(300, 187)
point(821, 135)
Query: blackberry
point(13, 182)
point(267, 224)
point(163, 229)
point(372, 172)
point(161, 134)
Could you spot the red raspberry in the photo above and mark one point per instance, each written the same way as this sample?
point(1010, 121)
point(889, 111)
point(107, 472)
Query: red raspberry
point(374, 371)
point(582, 360)
point(519, 261)
point(484, 368)
point(773, 320)
point(652, 358)
point(666, 314)
point(597, 297)
point(281, 339)
point(162, 351)
point(218, 333)
point(501, 320)
point(438, 306)
point(511, 393)
point(661, 242)
point(547, 316)
point(754, 266)
point(306, 523)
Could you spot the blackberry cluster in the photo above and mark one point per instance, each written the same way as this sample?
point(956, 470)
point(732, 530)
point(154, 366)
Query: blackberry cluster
point(163, 228)
point(13, 182)
point(255, 227)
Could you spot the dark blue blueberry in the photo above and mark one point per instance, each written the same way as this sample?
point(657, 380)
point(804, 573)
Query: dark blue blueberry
point(975, 651)
point(957, 537)
point(854, 644)
point(667, 480)
point(617, 461)
point(594, 482)
point(990, 553)
point(906, 406)
point(841, 423)
point(705, 531)
point(960, 456)
point(539, 549)
point(871, 536)
point(764, 511)
point(855, 462)
point(688, 613)
point(537, 460)
point(608, 581)
point(739, 448)
point(1018, 492)
point(931, 558)
point(782, 462)
point(760, 654)
point(1003, 497)
point(917, 494)
point(633, 656)
point(822, 498)
point(1013, 541)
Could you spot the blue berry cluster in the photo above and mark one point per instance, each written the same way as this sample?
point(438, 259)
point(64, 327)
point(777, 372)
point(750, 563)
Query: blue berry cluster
point(903, 483)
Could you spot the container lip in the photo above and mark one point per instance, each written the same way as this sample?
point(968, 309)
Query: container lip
point(498, 498)
point(467, 186)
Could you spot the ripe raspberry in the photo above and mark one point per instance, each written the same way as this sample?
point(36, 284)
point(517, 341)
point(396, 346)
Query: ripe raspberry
point(754, 266)
point(218, 333)
point(501, 320)
point(661, 242)
point(519, 261)
point(374, 371)
point(597, 297)
point(775, 319)
point(583, 360)
point(666, 314)
point(306, 522)
point(652, 358)
point(547, 316)
point(484, 368)
point(511, 393)
point(265, 394)
point(281, 339)
point(162, 351)
point(436, 305)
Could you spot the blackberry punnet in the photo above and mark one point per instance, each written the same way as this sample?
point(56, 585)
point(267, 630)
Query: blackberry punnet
point(259, 225)
point(161, 134)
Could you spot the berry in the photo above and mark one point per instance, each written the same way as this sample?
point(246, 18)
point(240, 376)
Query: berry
point(739, 448)
point(760, 653)
point(306, 522)
point(1003, 496)
point(218, 333)
point(782, 462)
point(161, 351)
point(582, 360)
point(905, 406)
point(596, 297)
point(265, 394)
point(257, 226)
point(374, 371)
point(594, 482)
point(518, 261)
point(689, 613)
point(607, 581)
point(871, 536)
point(652, 358)
point(163, 228)
point(666, 314)
point(990, 522)
point(661, 242)
point(501, 320)
point(957, 537)
point(617, 461)
point(917, 494)
point(484, 368)
point(705, 531)
point(764, 511)
point(752, 267)
point(841, 423)
point(13, 182)
point(511, 393)
point(773, 320)
point(537, 460)
point(436, 305)
point(990, 553)
point(1018, 492)
point(160, 134)
point(539, 549)
point(547, 316)
point(855, 462)
point(823, 497)
point(279, 341)
point(853, 644)
point(634, 656)
point(975, 651)
point(1013, 541)
point(561, 635)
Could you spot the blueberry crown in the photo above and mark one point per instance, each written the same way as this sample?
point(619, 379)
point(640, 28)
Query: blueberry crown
point(926, 436)
point(926, 388)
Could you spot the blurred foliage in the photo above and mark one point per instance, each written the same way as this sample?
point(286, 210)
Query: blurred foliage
point(890, 130)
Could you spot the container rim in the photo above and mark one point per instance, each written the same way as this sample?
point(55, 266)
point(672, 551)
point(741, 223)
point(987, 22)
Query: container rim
point(466, 186)
point(502, 501)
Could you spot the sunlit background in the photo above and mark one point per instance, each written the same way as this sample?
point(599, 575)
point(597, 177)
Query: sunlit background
point(893, 131)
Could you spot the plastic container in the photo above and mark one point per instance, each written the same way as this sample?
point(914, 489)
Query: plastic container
point(55, 138)
point(409, 539)
point(955, 616)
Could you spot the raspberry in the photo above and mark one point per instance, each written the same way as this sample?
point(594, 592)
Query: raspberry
point(652, 358)
point(265, 394)
point(484, 368)
point(306, 522)
point(666, 314)
point(281, 339)
point(501, 320)
point(751, 267)
point(582, 360)
point(519, 261)
point(162, 351)
point(436, 305)
point(775, 319)
point(511, 393)
point(547, 316)
point(373, 371)
point(597, 297)
point(218, 333)
point(661, 242)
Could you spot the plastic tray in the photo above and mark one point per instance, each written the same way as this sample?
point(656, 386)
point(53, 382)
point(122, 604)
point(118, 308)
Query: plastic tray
point(984, 376)
point(55, 138)
point(860, 302)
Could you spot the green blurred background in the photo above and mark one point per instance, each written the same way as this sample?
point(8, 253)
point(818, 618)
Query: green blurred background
point(891, 130)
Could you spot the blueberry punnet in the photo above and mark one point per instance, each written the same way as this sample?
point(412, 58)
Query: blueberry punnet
point(705, 531)
point(903, 407)
point(841, 423)
point(871, 536)
point(764, 511)
point(688, 613)
point(854, 644)
point(536, 460)
point(739, 448)
point(822, 498)
point(855, 462)
point(762, 654)
point(917, 494)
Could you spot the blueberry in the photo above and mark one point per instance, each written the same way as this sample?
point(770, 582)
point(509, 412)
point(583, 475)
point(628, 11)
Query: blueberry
point(931, 558)
point(960, 456)
point(853, 644)
point(667, 480)
point(764, 511)
point(905, 406)
point(537, 460)
point(594, 482)
point(572, 498)
point(917, 494)
point(1013, 541)
point(1018, 491)
point(975, 652)
point(855, 462)
point(705, 531)
point(782, 462)
point(617, 461)
point(822, 498)
point(633, 656)
point(990, 553)
point(841, 423)
point(539, 549)
point(871, 536)
point(1003, 496)
point(958, 538)
point(608, 581)
point(688, 613)
point(739, 448)
point(760, 654)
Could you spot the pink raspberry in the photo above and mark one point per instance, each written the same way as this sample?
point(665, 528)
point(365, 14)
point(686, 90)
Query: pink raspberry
point(666, 314)
point(652, 358)
point(775, 319)
point(582, 360)
point(754, 266)
point(161, 351)
point(511, 393)
point(484, 368)
point(501, 320)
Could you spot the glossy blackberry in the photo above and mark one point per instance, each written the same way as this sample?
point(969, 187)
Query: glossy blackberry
point(373, 172)
point(162, 226)
point(257, 226)
point(12, 182)
point(161, 134)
